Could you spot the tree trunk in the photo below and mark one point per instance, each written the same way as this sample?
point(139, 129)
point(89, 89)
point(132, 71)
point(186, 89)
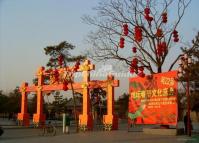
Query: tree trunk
point(74, 106)
point(159, 69)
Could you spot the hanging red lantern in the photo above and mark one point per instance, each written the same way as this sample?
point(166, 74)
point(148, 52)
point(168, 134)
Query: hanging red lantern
point(150, 19)
point(138, 33)
point(176, 39)
point(147, 11)
point(164, 17)
point(121, 42)
point(134, 62)
point(175, 36)
point(147, 16)
point(134, 49)
point(159, 33)
point(125, 29)
point(161, 48)
point(141, 69)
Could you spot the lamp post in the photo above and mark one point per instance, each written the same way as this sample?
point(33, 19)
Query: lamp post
point(184, 71)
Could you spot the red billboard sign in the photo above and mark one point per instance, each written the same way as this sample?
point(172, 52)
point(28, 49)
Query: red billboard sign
point(153, 99)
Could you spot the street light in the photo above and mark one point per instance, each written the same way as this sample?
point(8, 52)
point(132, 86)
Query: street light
point(184, 71)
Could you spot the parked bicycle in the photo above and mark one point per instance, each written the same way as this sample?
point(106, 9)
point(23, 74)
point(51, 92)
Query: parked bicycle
point(46, 130)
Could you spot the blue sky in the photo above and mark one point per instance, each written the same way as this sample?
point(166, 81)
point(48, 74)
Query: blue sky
point(27, 26)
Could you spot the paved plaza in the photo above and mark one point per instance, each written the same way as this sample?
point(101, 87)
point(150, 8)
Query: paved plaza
point(15, 134)
point(30, 135)
point(120, 136)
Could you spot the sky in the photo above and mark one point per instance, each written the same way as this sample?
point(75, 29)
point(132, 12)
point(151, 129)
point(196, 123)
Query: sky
point(27, 26)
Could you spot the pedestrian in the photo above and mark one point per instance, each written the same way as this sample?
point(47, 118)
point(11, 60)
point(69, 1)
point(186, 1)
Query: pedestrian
point(67, 123)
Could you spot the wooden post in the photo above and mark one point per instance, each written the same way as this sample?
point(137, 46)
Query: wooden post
point(111, 118)
point(39, 117)
point(24, 116)
point(85, 119)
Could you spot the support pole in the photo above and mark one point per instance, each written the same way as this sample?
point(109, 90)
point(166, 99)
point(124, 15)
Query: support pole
point(39, 117)
point(23, 117)
point(64, 123)
point(188, 107)
point(110, 118)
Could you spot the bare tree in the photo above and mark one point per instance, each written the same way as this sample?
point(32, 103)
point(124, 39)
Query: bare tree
point(158, 35)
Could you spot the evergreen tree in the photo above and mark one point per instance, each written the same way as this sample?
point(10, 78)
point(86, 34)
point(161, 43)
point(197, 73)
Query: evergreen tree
point(60, 56)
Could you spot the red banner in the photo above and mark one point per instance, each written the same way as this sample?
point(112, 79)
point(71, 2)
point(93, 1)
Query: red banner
point(153, 99)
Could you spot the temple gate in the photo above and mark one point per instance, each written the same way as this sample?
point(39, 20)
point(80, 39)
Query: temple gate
point(85, 119)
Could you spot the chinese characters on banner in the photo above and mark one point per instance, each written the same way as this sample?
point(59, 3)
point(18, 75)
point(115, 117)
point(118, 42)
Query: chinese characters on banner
point(153, 99)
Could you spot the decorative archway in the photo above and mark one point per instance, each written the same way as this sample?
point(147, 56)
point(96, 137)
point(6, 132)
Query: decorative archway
point(85, 119)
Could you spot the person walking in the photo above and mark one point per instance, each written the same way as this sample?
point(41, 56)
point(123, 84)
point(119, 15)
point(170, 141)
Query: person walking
point(66, 123)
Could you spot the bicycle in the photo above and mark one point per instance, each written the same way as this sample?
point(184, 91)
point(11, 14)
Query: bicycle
point(48, 129)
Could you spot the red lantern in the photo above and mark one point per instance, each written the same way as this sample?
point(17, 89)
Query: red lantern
point(159, 33)
point(141, 69)
point(175, 36)
point(134, 62)
point(147, 16)
point(150, 19)
point(138, 33)
point(121, 42)
point(125, 29)
point(134, 49)
point(176, 39)
point(164, 17)
point(147, 11)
